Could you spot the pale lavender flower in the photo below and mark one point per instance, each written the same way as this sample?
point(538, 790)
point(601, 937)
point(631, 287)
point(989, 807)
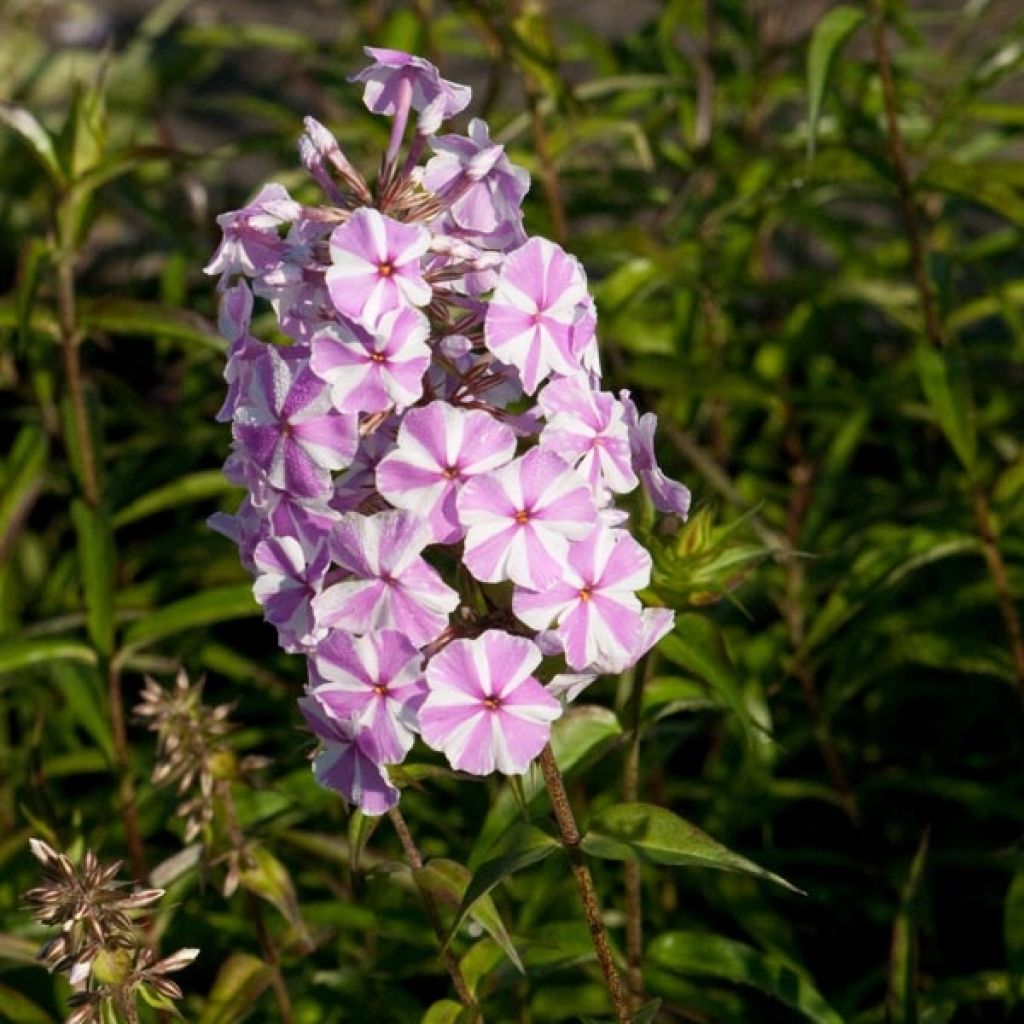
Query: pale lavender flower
point(397, 81)
point(375, 680)
point(588, 429)
point(288, 577)
point(668, 495)
point(539, 297)
point(320, 153)
point(439, 447)
point(484, 191)
point(391, 586)
point(347, 761)
point(521, 517)
point(356, 488)
point(252, 244)
point(287, 428)
point(372, 369)
point(485, 710)
point(595, 602)
point(375, 265)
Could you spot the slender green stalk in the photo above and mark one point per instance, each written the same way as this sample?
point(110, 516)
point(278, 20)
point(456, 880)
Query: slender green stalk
point(415, 859)
point(254, 910)
point(571, 838)
point(933, 329)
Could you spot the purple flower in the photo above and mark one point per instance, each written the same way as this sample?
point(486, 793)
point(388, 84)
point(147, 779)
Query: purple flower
point(371, 369)
point(285, 426)
point(485, 711)
point(376, 681)
point(396, 81)
point(288, 578)
point(588, 429)
point(391, 586)
point(668, 495)
point(531, 318)
point(483, 189)
point(347, 761)
point(520, 519)
point(356, 488)
point(375, 265)
point(440, 447)
point(251, 244)
point(595, 602)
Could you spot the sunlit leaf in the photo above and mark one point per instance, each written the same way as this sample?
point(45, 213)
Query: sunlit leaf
point(830, 35)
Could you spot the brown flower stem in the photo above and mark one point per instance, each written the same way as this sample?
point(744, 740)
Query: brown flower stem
point(415, 860)
point(933, 330)
point(126, 784)
point(630, 794)
point(254, 909)
point(70, 339)
point(1000, 579)
point(571, 838)
point(898, 156)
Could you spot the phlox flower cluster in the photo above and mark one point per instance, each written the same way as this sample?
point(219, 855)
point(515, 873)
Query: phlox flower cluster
point(431, 464)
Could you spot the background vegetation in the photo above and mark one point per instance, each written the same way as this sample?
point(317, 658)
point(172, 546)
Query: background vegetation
point(830, 325)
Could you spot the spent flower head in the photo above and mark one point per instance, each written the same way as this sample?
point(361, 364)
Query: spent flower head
point(101, 946)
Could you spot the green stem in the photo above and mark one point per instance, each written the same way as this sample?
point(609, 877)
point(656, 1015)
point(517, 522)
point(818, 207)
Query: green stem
point(415, 859)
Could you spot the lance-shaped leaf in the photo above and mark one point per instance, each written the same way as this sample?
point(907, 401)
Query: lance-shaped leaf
point(698, 953)
point(97, 561)
point(449, 881)
point(830, 35)
point(218, 605)
point(268, 878)
point(36, 137)
point(654, 835)
point(239, 983)
point(524, 845)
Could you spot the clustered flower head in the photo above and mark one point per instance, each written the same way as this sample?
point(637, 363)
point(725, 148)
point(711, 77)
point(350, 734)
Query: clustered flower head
point(432, 465)
point(100, 946)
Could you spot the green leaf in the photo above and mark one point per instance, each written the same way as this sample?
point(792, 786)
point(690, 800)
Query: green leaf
point(36, 257)
point(645, 1015)
point(946, 385)
point(830, 35)
point(446, 1011)
point(269, 879)
point(23, 478)
point(240, 981)
point(654, 835)
point(18, 654)
point(1013, 929)
point(524, 845)
point(183, 491)
point(449, 881)
point(19, 1009)
point(96, 559)
point(147, 319)
point(221, 604)
point(702, 954)
point(580, 734)
point(901, 998)
point(697, 645)
point(18, 950)
point(37, 138)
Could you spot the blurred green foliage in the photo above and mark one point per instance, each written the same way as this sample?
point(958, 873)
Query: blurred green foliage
point(842, 680)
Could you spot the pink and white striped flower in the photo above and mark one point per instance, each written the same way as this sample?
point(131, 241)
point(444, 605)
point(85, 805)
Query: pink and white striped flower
point(540, 295)
point(588, 429)
point(375, 265)
point(347, 761)
point(286, 427)
point(594, 603)
point(439, 447)
point(391, 586)
point(520, 518)
point(485, 710)
point(375, 680)
point(288, 577)
point(372, 369)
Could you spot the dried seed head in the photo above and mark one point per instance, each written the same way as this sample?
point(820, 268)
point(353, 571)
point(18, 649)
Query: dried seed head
point(101, 947)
